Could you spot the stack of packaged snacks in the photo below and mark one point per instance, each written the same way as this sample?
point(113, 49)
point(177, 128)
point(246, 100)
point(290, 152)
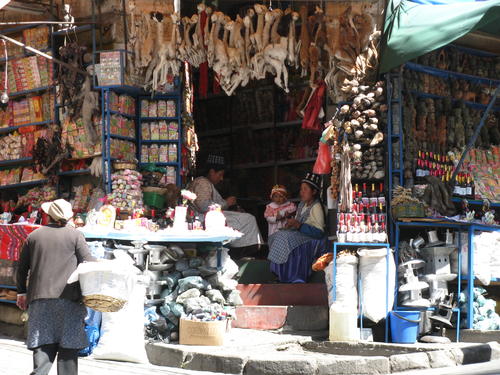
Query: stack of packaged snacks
point(122, 126)
point(160, 131)
point(122, 103)
point(38, 195)
point(29, 174)
point(10, 176)
point(126, 190)
point(37, 37)
point(159, 154)
point(122, 150)
point(16, 146)
point(29, 73)
point(81, 194)
point(76, 136)
point(158, 108)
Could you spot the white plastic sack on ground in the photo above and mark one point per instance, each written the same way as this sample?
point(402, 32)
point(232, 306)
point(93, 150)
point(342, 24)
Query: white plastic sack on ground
point(122, 332)
point(111, 278)
point(482, 256)
point(229, 267)
point(373, 273)
point(346, 282)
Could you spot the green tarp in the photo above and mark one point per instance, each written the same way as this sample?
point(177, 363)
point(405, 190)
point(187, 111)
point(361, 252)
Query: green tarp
point(413, 29)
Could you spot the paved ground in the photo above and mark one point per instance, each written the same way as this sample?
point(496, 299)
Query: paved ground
point(488, 368)
point(15, 359)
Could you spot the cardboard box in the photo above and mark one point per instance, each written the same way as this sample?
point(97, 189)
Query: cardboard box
point(202, 333)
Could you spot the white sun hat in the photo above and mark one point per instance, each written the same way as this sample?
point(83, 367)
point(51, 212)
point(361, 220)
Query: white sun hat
point(58, 210)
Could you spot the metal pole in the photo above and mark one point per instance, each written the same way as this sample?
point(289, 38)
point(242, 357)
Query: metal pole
point(53, 59)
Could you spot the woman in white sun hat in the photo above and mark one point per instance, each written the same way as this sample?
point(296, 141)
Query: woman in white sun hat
point(56, 314)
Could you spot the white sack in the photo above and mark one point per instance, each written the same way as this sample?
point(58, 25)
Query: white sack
point(373, 271)
point(482, 257)
point(495, 255)
point(122, 332)
point(346, 282)
point(229, 267)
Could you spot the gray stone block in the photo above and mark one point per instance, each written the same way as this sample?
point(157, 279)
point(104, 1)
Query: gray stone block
point(163, 355)
point(356, 365)
point(442, 358)
point(227, 364)
point(284, 365)
point(307, 318)
point(405, 362)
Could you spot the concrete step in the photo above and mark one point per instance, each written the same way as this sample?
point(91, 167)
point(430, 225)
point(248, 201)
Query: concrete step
point(286, 318)
point(284, 294)
point(258, 271)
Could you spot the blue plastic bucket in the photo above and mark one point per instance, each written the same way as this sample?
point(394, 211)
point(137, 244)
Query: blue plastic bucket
point(404, 326)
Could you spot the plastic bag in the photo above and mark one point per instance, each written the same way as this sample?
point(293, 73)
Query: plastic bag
point(323, 164)
point(373, 273)
point(122, 332)
point(92, 329)
point(346, 282)
point(482, 257)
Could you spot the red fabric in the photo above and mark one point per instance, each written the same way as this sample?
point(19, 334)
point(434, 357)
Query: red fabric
point(313, 108)
point(203, 86)
point(323, 164)
point(12, 238)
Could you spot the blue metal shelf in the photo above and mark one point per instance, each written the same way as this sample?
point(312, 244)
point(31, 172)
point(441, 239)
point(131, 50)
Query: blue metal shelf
point(13, 128)
point(8, 287)
point(122, 137)
point(163, 164)
point(363, 244)
point(15, 161)
point(145, 119)
point(77, 172)
point(24, 184)
point(25, 54)
point(8, 301)
point(152, 141)
point(26, 92)
point(471, 201)
point(448, 74)
point(122, 114)
point(434, 96)
point(78, 29)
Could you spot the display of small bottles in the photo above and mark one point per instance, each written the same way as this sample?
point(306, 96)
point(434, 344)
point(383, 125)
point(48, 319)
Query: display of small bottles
point(433, 164)
point(464, 186)
point(367, 221)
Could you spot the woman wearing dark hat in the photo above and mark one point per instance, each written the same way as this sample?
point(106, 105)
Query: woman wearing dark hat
point(56, 315)
point(207, 195)
point(292, 251)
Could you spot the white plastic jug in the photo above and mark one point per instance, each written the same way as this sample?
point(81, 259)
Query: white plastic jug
point(343, 323)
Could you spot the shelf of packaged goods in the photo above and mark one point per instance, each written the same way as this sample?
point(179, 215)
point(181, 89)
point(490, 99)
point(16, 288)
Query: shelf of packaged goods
point(26, 92)
point(152, 119)
point(8, 287)
point(122, 137)
point(13, 128)
point(4, 163)
point(476, 202)
point(24, 184)
point(468, 104)
point(162, 164)
point(7, 301)
point(152, 141)
point(122, 114)
point(78, 172)
point(25, 54)
point(448, 74)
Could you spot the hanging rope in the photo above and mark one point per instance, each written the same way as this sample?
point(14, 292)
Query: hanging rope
point(345, 179)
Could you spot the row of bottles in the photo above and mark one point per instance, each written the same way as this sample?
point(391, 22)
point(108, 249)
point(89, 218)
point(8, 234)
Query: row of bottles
point(433, 164)
point(367, 220)
point(464, 186)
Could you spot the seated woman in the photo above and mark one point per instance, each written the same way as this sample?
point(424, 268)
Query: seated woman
point(293, 249)
point(207, 194)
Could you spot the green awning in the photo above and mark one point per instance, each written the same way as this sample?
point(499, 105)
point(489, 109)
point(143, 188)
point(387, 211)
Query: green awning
point(414, 28)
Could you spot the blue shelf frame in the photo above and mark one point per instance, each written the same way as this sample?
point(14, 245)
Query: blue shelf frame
point(459, 227)
point(474, 202)
point(26, 92)
point(155, 119)
point(132, 117)
point(152, 141)
point(78, 172)
point(434, 96)
point(122, 137)
point(14, 128)
point(24, 184)
point(13, 162)
point(336, 245)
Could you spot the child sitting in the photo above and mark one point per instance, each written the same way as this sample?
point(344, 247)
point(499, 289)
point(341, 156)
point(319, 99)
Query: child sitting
point(279, 210)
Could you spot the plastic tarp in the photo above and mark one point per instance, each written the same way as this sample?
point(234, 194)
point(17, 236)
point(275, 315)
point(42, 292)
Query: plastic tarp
point(415, 27)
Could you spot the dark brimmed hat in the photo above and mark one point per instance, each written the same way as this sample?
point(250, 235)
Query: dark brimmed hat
point(216, 162)
point(313, 180)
